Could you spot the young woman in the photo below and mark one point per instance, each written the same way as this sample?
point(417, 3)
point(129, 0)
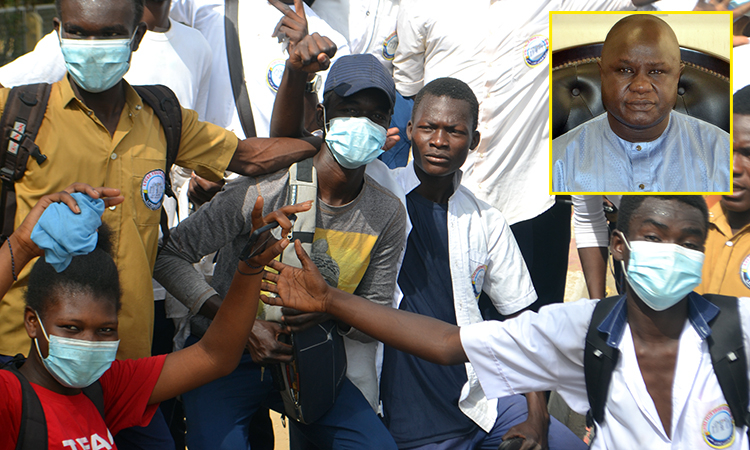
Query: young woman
point(71, 318)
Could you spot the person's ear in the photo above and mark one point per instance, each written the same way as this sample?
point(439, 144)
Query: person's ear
point(475, 138)
point(56, 25)
point(409, 128)
point(31, 323)
point(618, 247)
point(140, 30)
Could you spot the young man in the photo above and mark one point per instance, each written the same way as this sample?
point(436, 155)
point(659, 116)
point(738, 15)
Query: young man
point(457, 248)
point(663, 392)
point(357, 242)
point(727, 267)
point(641, 144)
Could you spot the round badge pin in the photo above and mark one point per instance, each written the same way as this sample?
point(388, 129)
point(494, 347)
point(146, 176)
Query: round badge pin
point(477, 279)
point(275, 74)
point(718, 427)
point(152, 189)
point(745, 271)
point(535, 50)
point(389, 46)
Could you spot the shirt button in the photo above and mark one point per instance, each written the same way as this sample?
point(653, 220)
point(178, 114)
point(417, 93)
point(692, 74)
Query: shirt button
point(130, 114)
point(113, 156)
point(638, 147)
point(112, 208)
point(89, 112)
point(138, 107)
point(730, 243)
point(642, 186)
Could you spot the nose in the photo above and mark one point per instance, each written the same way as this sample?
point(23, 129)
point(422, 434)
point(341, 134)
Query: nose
point(641, 83)
point(439, 138)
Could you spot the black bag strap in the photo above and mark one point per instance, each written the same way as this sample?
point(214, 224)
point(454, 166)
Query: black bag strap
point(32, 434)
point(19, 125)
point(599, 359)
point(728, 356)
point(236, 71)
point(167, 108)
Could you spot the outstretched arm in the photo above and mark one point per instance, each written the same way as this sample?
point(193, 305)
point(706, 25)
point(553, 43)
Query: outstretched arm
point(219, 351)
point(306, 290)
point(258, 156)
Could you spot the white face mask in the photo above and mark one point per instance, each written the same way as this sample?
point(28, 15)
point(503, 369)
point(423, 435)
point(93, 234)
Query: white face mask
point(76, 363)
point(662, 274)
point(97, 64)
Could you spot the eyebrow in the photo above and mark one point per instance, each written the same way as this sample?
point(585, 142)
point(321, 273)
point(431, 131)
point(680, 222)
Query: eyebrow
point(648, 63)
point(656, 223)
point(70, 28)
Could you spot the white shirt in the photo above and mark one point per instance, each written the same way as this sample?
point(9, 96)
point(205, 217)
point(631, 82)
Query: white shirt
point(368, 25)
point(740, 64)
point(179, 58)
point(669, 5)
point(484, 256)
point(499, 48)
point(537, 352)
point(263, 56)
point(589, 221)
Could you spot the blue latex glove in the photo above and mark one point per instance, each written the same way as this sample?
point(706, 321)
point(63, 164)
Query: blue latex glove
point(63, 234)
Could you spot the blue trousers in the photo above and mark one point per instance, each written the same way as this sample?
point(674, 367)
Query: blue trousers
point(218, 414)
point(510, 411)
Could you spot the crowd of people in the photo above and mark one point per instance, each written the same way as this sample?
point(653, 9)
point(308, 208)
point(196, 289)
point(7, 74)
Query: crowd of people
point(376, 172)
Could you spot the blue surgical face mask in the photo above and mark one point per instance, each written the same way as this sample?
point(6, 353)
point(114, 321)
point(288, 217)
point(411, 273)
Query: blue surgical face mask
point(97, 64)
point(76, 363)
point(354, 141)
point(662, 274)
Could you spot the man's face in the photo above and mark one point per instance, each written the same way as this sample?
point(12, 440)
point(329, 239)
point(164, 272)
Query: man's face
point(739, 201)
point(639, 70)
point(661, 220)
point(442, 133)
point(371, 103)
point(98, 19)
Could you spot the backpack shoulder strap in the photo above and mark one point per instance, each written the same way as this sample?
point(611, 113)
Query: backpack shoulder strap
point(599, 359)
point(95, 393)
point(167, 108)
point(236, 71)
point(725, 344)
point(32, 434)
point(303, 186)
point(19, 125)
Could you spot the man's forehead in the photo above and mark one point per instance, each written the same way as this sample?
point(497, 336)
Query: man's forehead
point(109, 11)
point(639, 36)
point(668, 212)
point(741, 131)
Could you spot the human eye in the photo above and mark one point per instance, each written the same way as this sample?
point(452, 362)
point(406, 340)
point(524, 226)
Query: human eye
point(652, 238)
point(625, 70)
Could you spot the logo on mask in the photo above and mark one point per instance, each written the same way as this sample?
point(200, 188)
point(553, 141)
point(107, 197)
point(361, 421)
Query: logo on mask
point(718, 427)
point(152, 189)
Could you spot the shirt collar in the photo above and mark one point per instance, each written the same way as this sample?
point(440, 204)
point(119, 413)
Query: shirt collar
point(133, 101)
point(700, 312)
point(646, 146)
point(410, 180)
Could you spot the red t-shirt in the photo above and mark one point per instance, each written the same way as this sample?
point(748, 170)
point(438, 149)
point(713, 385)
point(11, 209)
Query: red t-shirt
point(73, 422)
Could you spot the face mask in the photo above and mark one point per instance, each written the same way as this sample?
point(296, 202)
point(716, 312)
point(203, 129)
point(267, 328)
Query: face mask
point(354, 141)
point(96, 64)
point(662, 274)
point(76, 363)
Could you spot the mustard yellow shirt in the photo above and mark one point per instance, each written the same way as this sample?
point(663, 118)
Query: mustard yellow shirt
point(80, 149)
point(726, 269)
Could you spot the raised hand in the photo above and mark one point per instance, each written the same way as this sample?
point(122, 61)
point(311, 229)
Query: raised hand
point(269, 247)
point(307, 53)
point(302, 289)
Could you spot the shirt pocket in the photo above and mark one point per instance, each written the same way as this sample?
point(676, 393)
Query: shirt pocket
point(148, 183)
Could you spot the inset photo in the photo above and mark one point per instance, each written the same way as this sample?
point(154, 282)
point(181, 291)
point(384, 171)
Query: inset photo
point(640, 102)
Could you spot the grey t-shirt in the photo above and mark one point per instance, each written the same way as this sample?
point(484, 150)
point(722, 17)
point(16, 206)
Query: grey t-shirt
point(356, 246)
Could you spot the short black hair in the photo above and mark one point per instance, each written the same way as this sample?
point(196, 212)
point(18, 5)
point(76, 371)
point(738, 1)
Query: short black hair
point(94, 273)
point(742, 101)
point(451, 88)
point(137, 5)
point(630, 204)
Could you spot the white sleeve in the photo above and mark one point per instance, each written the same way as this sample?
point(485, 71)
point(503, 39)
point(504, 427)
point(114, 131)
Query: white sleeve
point(598, 5)
point(409, 61)
point(45, 64)
point(201, 99)
point(507, 282)
point(533, 352)
point(589, 222)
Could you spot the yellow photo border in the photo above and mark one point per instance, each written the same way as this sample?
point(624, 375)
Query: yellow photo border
point(730, 21)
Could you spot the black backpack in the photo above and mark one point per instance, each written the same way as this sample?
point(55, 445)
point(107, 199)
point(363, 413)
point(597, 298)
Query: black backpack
point(19, 125)
point(724, 344)
point(32, 435)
